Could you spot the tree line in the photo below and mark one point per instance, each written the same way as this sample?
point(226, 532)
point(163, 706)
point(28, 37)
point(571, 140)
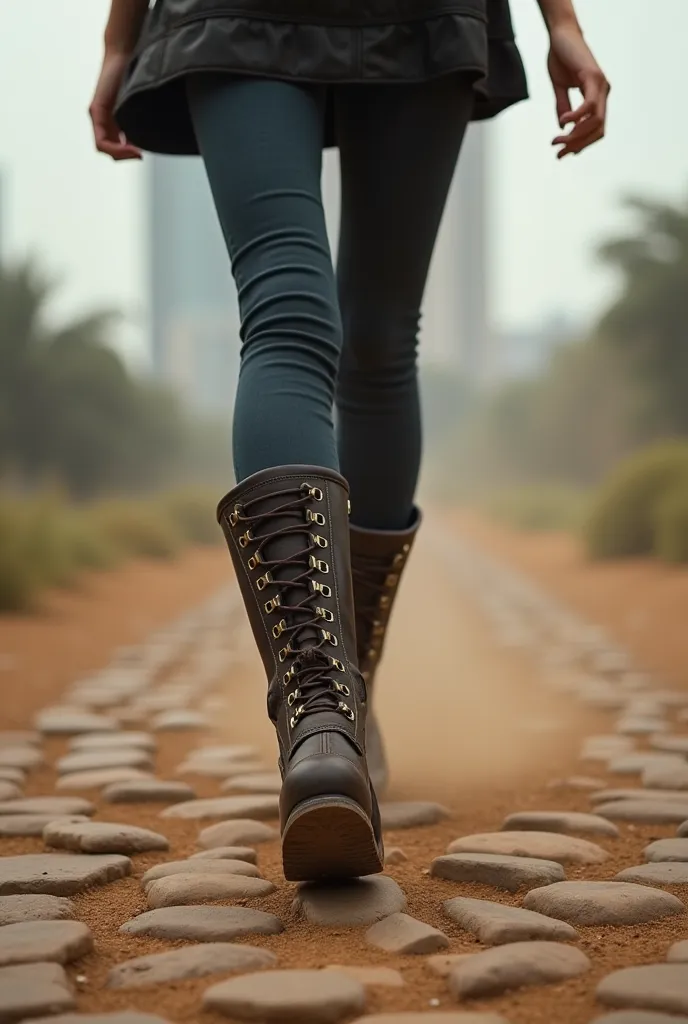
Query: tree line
point(72, 412)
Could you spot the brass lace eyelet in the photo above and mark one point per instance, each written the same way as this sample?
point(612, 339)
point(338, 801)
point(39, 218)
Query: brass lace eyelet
point(391, 580)
point(321, 588)
point(342, 688)
point(330, 637)
point(255, 560)
point(288, 676)
point(245, 539)
point(285, 652)
point(317, 539)
point(294, 695)
point(346, 710)
point(297, 714)
point(325, 613)
point(262, 581)
point(312, 492)
point(315, 517)
point(234, 515)
point(319, 564)
point(279, 628)
point(272, 604)
point(339, 665)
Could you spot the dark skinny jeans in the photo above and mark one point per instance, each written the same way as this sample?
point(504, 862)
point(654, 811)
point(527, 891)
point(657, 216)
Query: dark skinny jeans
point(313, 338)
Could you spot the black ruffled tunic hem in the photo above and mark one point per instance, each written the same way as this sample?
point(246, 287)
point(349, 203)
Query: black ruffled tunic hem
point(311, 41)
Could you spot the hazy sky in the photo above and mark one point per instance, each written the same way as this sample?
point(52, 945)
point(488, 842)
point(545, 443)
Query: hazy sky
point(82, 214)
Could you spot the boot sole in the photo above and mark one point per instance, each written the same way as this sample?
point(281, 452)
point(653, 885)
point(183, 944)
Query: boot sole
point(329, 837)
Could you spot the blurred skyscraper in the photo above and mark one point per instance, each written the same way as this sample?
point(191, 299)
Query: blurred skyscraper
point(194, 318)
point(456, 324)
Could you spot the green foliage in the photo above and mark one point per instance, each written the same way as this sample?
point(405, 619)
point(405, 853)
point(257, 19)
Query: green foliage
point(139, 528)
point(70, 409)
point(193, 512)
point(671, 524)
point(648, 321)
point(623, 517)
point(540, 508)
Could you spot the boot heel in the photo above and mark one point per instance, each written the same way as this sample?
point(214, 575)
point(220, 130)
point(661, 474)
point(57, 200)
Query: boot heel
point(329, 837)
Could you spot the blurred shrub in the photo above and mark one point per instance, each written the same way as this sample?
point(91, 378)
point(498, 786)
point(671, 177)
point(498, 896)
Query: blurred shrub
point(193, 513)
point(671, 524)
point(623, 517)
point(540, 507)
point(45, 541)
point(139, 528)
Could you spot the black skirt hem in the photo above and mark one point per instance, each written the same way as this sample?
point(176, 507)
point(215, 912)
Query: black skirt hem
point(153, 111)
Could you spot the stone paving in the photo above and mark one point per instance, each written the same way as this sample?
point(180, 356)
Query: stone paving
point(512, 903)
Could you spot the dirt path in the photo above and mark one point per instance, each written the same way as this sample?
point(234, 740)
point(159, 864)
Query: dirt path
point(473, 725)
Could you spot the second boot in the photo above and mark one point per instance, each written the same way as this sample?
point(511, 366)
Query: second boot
point(288, 534)
point(378, 558)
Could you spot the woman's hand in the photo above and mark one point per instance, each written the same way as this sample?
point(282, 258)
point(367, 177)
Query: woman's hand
point(108, 137)
point(571, 65)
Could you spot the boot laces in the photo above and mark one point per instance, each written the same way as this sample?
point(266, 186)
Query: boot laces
point(298, 599)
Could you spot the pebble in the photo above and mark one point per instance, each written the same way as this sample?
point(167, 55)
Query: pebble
point(33, 824)
point(641, 726)
point(225, 752)
point(69, 721)
point(93, 760)
point(29, 989)
point(59, 874)
point(545, 845)
point(678, 953)
point(227, 853)
point(203, 924)
point(17, 909)
point(321, 997)
point(200, 867)
point(576, 782)
point(400, 933)
point(667, 850)
point(635, 764)
point(384, 977)
point(503, 872)
point(255, 807)
point(674, 776)
point(495, 924)
point(651, 987)
point(19, 738)
point(607, 796)
point(663, 873)
point(395, 855)
point(193, 889)
point(142, 791)
point(443, 964)
point(638, 1017)
point(21, 757)
point(497, 970)
point(682, 830)
point(645, 812)
point(236, 833)
point(263, 782)
point(221, 769)
point(123, 1017)
point(55, 805)
point(9, 791)
point(15, 775)
point(189, 962)
point(179, 719)
point(116, 740)
point(670, 744)
point(98, 778)
point(412, 814)
point(602, 748)
point(559, 821)
point(432, 1018)
point(42, 941)
point(103, 837)
point(360, 901)
point(596, 903)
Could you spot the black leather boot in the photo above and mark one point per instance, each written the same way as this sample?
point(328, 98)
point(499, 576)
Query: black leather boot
point(288, 534)
point(378, 558)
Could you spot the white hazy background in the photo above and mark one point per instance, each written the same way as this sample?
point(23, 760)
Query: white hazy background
point(82, 215)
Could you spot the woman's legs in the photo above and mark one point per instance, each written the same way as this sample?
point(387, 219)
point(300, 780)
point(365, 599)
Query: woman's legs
point(261, 142)
point(399, 145)
point(286, 521)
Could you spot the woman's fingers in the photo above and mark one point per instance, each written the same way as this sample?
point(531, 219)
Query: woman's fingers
point(108, 138)
point(588, 119)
